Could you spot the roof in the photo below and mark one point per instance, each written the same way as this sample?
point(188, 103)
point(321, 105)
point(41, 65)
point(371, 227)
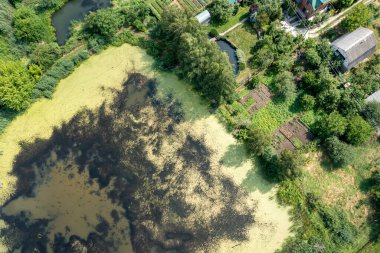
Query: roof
point(374, 97)
point(203, 17)
point(356, 43)
point(316, 3)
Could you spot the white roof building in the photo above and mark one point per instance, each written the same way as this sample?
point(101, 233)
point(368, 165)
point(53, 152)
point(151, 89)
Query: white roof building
point(356, 46)
point(375, 97)
point(204, 17)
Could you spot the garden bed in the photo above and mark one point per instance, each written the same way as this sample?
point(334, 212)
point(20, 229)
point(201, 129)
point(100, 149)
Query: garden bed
point(261, 97)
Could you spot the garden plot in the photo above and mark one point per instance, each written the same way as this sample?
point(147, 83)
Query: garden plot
point(257, 98)
point(193, 6)
point(292, 135)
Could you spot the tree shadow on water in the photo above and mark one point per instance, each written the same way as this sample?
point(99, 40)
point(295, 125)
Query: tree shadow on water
point(234, 156)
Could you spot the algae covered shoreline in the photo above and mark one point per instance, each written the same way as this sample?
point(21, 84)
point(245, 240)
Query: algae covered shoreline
point(180, 152)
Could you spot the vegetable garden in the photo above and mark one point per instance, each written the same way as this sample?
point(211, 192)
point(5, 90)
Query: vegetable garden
point(193, 6)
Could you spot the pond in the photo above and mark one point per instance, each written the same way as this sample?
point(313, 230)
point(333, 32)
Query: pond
point(74, 10)
point(231, 52)
point(132, 174)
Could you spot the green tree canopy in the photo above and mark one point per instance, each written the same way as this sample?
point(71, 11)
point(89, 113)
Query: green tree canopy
point(332, 124)
point(290, 164)
point(28, 26)
point(178, 41)
point(258, 141)
point(284, 85)
point(16, 85)
point(358, 131)
point(340, 153)
point(105, 22)
point(221, 11)
point(360, 15)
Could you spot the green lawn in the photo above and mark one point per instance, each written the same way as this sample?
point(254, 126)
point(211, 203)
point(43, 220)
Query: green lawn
point(244, 37)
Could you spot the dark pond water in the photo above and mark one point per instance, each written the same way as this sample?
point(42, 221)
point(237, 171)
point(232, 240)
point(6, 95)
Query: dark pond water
point(74, 10)
point(231, 52)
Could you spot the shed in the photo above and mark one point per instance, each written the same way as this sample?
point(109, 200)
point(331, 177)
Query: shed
point(375, 97)
point(204, 17)
point(354, 47)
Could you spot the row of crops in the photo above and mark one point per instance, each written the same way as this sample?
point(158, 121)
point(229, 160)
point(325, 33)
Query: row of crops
point(193, 6)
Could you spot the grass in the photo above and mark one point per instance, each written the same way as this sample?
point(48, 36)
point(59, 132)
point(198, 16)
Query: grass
point(244, 37)
point(242, 13)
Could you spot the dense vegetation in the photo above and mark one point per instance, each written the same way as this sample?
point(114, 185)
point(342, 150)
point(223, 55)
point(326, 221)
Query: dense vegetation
point(180, 44)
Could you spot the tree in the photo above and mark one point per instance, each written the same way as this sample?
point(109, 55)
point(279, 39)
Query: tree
point(360, 15)
point(284, 85)
point(328, 99)
point(307, 102)
point(258, 141)
point(340, 153)
point(135, 13)
point(312, 57)
point(264, 58)
point(290, 165)
point(358, 131)
point(178, 41)
point(105, 22)
point(344, 3)
point(372, 113)
point(221, 11)
point(28, 26)
point(16, 85)
point(45, 54)
point(330, 125)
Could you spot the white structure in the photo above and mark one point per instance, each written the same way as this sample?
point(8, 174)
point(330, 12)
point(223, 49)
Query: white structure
point(204, 17)
point(375, 97)
point(354, 47)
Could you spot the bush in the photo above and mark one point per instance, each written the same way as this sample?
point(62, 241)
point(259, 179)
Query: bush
point(339, 152)
point(45, 54)
point(16, 85)
point(358, 131)
point(104, 23)
point(214, 33)
point(289, 194)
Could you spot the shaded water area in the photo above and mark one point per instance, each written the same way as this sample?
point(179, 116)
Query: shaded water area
point(231, 52)
point(74, 10)
point(124, 176)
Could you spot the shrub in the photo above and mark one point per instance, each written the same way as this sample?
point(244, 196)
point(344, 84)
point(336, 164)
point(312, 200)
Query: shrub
point(45, 54)
point(289, 194)
point(214, 33)
point(16, 85)
point(339, 152)
point(105, 23)
point(289, 165)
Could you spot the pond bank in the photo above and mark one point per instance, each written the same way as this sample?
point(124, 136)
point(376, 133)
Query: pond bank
point(94, 80)
point(71, 11)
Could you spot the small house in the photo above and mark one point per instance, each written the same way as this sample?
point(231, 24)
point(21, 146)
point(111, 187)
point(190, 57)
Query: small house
point(307, 8)
point(354, 47)
point(204, 17)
